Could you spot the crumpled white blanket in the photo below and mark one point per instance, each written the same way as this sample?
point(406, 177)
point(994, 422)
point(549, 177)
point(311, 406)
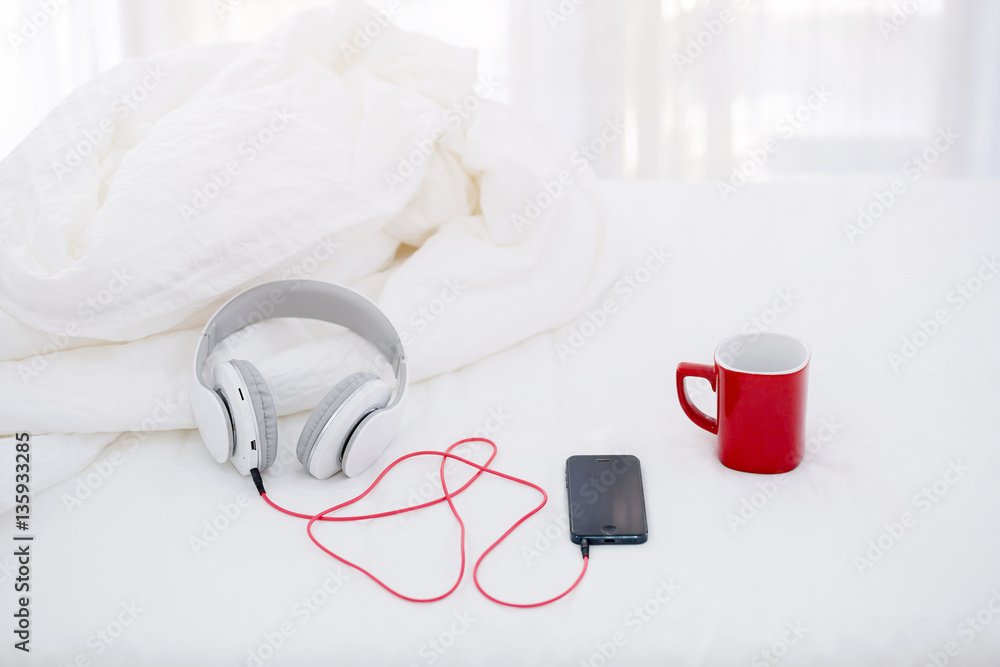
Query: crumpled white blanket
point(337, 148)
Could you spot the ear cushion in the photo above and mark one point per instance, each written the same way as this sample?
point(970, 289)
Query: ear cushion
point(325, 410)
point(263, 407)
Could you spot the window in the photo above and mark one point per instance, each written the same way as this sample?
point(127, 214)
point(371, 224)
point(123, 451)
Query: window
point(700, 85)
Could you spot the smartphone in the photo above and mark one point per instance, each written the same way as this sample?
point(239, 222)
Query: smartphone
point(606, 503)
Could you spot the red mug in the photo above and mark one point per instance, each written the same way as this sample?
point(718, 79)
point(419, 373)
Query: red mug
point(760, 385)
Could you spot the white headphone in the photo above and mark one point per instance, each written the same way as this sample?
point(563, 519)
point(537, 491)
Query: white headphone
point(351, 426)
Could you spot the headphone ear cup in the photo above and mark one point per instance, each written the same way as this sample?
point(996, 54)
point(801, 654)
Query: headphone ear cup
point(333, 421)
point(264, 410)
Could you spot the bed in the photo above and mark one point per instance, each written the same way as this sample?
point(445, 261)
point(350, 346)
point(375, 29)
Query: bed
point(880, 548)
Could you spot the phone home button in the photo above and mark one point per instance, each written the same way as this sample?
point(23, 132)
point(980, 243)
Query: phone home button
point(609, 530)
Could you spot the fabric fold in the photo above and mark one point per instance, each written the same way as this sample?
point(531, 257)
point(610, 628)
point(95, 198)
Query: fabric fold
point(126, 221)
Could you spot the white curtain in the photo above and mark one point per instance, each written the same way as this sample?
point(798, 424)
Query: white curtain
point(896, 70)
point(695, 116)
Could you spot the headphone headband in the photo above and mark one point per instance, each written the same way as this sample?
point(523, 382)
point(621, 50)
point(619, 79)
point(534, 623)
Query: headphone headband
point(307, 299)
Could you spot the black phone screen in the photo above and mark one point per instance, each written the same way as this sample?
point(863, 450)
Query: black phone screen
point(606, 504)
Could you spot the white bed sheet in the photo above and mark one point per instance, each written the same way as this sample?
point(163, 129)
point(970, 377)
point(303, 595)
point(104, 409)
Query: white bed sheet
point(786, 582)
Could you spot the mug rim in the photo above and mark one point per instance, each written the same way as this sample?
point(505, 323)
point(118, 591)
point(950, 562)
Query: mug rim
point(729, 339)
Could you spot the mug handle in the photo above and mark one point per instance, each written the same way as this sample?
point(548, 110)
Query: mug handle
point(684, 370)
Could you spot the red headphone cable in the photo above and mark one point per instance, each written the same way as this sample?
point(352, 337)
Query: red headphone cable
point(447, 497)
